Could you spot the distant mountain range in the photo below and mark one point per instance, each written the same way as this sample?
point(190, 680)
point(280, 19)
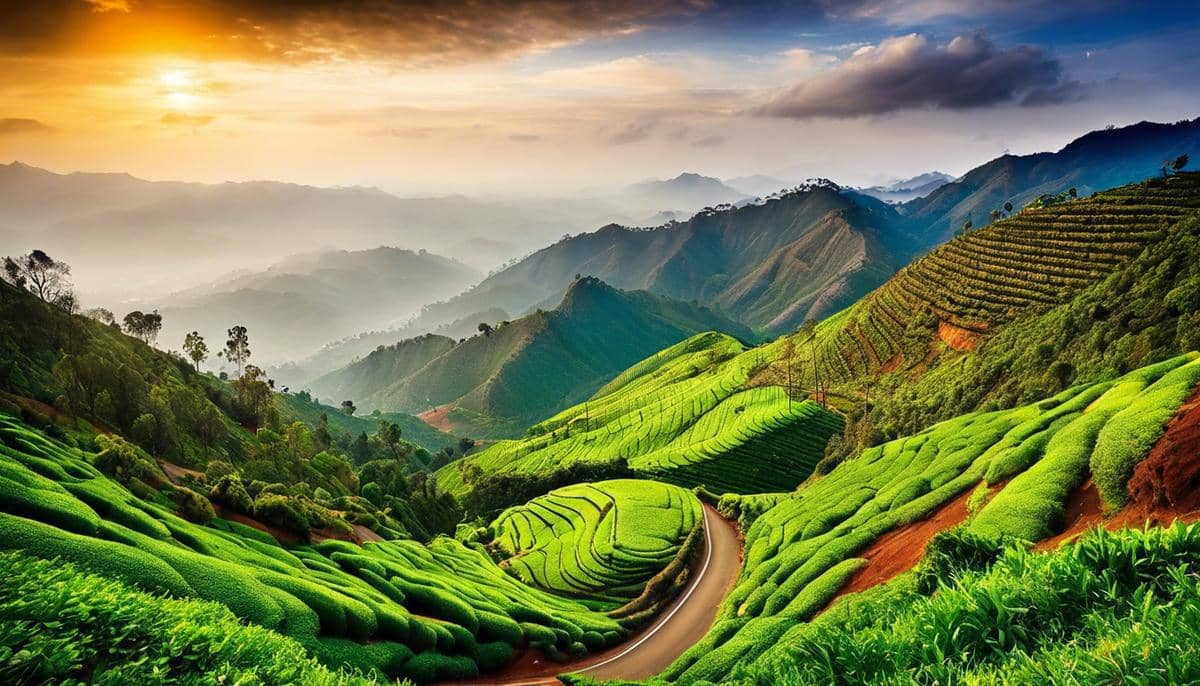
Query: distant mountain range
point(305, 301)
point(909, 189)
point(809, 252)
point(496, 383)
point(688, 191)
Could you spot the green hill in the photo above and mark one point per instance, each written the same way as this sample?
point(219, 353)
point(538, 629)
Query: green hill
point(685, 415)
point(495, 384)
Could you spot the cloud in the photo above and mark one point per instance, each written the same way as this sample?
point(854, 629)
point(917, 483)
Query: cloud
point(524, 137)
point(408, 31)
point(910, 72)
point(632, 132)
point(708, 142)
point(180, 119)
point(13, 126)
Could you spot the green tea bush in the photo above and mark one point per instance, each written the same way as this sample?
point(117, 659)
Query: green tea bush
point(193, 506)
point(58, 624)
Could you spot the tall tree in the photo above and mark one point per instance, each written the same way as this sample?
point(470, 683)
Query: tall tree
point(40, 274)
point(196, 348)
point(143, 326)
point(389, 434)
point(237, 348)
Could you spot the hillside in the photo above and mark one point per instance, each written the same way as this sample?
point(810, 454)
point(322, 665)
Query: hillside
point(809, 253)
point(957, 298)
point(799, 255)
point(495, 384)
point(306, 301)
point(1093, 162)
point(686, 415)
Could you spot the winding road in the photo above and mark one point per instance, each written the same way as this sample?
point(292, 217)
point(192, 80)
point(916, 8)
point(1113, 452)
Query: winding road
point(656, 647)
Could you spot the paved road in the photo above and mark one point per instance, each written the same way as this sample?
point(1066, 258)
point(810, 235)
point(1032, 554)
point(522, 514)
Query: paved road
point(685, 623)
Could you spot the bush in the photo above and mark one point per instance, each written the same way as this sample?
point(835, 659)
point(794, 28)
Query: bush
point(953, 552)
point(282, 511)
point(230, 493)
point(216, 470)
point(193, 506)
point(125, 462)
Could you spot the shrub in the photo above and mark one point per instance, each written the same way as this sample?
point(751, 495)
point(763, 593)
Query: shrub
point(218, 469)
point(229, 492)
point(282, 511)
point(125, 462)
point(193, 506)
point(951, 553)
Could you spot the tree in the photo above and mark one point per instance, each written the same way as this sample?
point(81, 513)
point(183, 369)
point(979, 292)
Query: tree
point(237, 348)
point(39, 274)
point(101, 315)
point(1179, 163)
point(143, 326)
point(389, 433)
point(485, 328)
point(348, 407)
point(196, 348)
point(253, 394)
point(465, 444)
point(1008, 207)
point(967, 226)
point(1073, 192)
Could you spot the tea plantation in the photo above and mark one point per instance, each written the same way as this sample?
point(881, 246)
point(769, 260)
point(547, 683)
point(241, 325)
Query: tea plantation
point(801, 551)
point(686, 416)
point(604, 540)
point(405, 609)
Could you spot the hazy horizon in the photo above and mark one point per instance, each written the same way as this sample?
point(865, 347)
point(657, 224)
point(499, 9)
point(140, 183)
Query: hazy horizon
point(546, 98)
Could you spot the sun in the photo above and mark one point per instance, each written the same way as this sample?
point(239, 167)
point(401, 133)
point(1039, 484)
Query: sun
point(180, 87)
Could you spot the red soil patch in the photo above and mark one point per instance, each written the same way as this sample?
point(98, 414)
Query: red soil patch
point(1165, 486)
point(957, 337)
point(438, 419)
point(893, 364)
point(899, 550)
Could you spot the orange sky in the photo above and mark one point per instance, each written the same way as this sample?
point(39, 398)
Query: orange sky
point(522, 96)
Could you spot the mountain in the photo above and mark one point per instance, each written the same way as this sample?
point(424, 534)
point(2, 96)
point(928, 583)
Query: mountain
point(305, 301)
point(1093, 162)
point(809, 252)
point(186, 232)
point(498, 382)
point(908, 189)
point(776, 262)
point(687, 192)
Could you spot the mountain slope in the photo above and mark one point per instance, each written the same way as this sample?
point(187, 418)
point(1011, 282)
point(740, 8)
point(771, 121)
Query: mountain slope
point(526, 369)
point(306, 301)
point(1093, 162)
point(798, 255)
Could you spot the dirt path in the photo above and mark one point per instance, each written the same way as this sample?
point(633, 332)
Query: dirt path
point(683, 624)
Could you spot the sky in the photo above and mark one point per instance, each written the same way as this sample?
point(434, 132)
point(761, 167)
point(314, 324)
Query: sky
point(544, 97)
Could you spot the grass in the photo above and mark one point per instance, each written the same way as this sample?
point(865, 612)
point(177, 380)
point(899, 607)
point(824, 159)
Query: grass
point(801, 549)
point(400, 608)
point(603, 540)
point(685, 416)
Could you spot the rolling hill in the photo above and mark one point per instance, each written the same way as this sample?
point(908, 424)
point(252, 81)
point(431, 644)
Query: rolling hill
point(495, 384)
point(306, 301)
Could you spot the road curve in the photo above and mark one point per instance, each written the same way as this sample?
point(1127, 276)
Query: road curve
point(679, 627)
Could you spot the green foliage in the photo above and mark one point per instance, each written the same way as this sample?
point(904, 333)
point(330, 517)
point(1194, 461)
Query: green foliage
point(193, 506)
point(684, 415)
point(604, 540)
point(378, 606)
point(58, 624)
point(1112, 608)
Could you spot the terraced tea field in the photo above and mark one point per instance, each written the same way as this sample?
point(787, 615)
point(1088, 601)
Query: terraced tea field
point(422, 612)
point(685, 416)
point(603, 540)
point(802, 550)
point(986, 278)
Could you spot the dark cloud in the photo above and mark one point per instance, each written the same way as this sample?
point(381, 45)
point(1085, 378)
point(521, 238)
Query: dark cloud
point(180, 119)
point(12, 126)
point(632, 132)
point(910, 72)
point(436, 31)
